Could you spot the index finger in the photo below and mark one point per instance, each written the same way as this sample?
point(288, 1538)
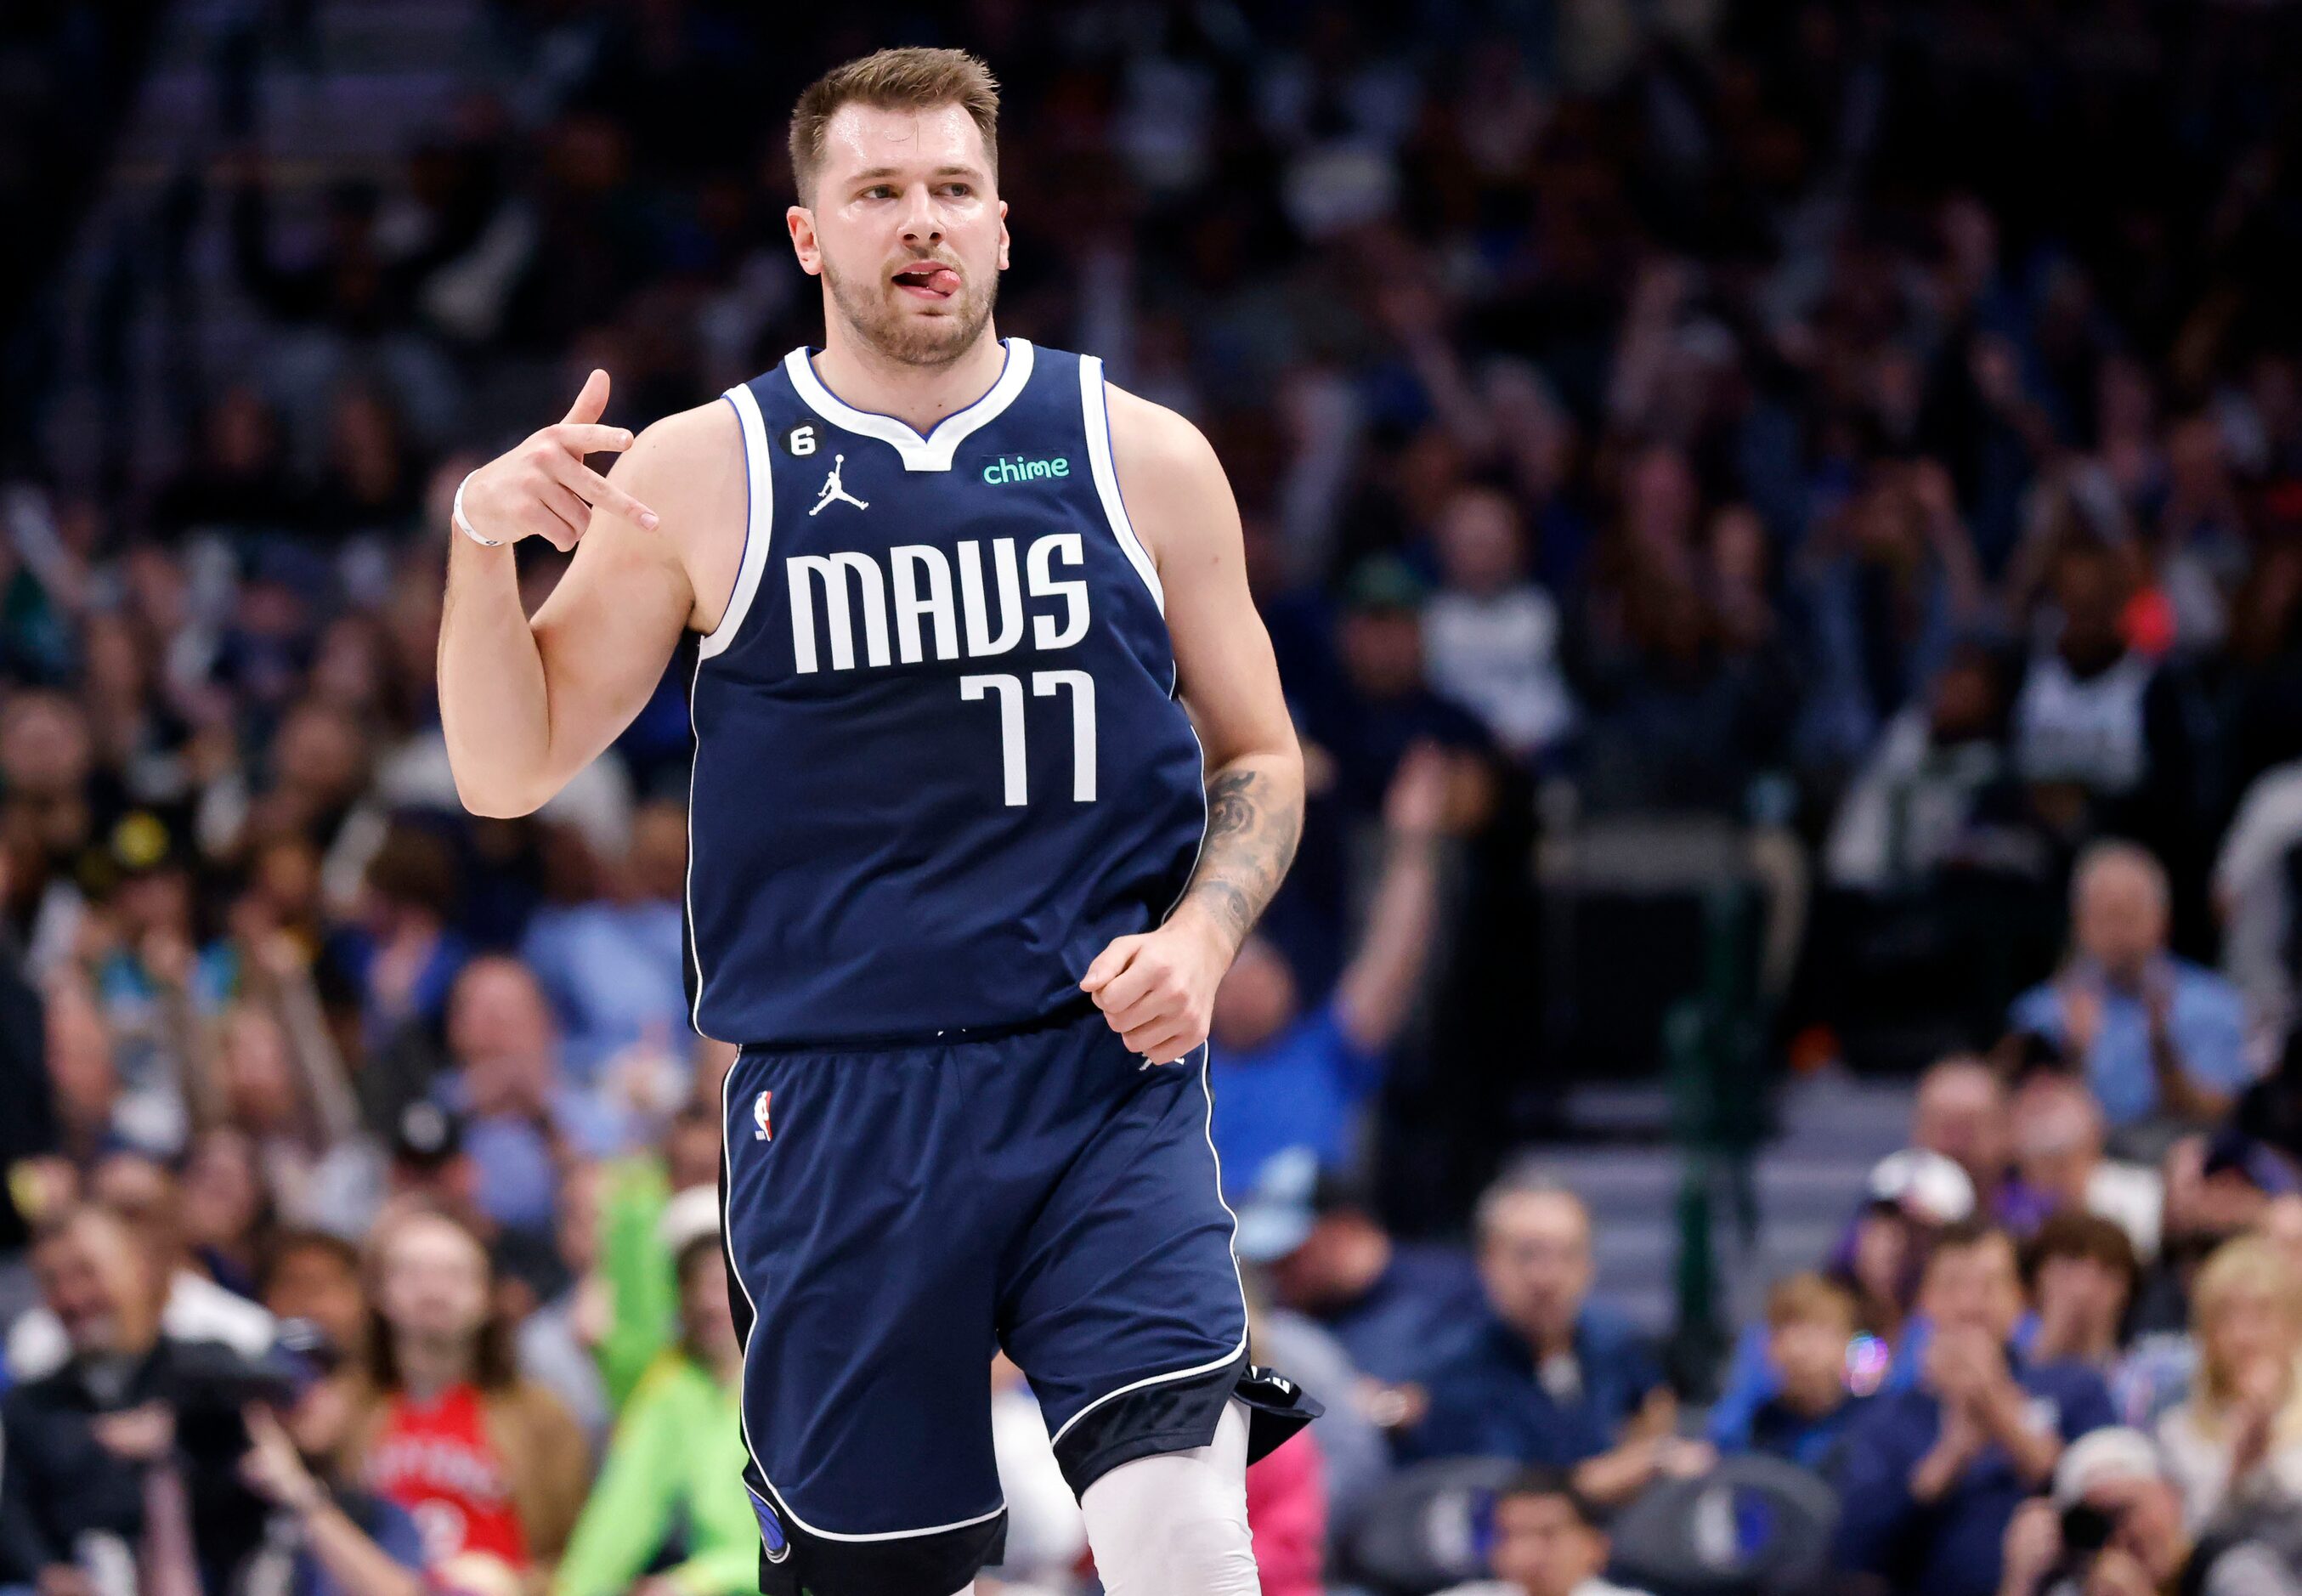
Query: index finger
point(1109, 962)
point(601, 494)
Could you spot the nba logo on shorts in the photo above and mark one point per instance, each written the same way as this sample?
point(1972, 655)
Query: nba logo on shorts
point(759, 1118)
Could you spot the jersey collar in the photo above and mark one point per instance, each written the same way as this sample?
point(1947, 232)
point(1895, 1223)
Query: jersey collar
point(933, 452)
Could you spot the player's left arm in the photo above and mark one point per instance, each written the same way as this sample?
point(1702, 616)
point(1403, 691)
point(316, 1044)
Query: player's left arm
point(1158, 988)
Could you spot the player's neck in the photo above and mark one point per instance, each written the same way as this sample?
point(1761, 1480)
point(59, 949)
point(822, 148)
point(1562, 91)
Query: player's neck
point(915, 395)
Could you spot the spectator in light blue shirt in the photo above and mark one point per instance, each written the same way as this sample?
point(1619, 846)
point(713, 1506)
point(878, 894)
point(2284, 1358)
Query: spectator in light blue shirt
point(520, 1117)
point(607, 949)
point(2160, 1037)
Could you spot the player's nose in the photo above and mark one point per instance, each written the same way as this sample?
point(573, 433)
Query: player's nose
point(920, 222)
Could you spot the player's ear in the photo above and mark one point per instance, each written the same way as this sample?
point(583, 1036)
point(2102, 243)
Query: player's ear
point(800, 223)
point(1002, 235)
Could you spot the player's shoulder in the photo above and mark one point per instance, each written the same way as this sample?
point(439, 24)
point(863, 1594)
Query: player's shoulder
point(690, 460)
point(676, 443)
point(1155, 445)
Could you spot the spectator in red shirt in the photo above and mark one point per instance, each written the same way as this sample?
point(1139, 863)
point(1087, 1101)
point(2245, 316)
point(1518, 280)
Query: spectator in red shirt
point(492, 1466)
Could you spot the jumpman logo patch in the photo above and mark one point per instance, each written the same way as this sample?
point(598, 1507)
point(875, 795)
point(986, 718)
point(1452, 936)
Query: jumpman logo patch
point(833, 491)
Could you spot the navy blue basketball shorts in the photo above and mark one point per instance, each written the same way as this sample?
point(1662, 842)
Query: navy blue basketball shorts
point(896, 1214)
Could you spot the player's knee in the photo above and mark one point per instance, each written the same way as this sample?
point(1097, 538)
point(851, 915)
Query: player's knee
point(1162, 1530)
point(1175, 1524)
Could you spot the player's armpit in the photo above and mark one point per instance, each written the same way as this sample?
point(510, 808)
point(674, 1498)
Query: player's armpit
point(614, 620)
point(1180, 505)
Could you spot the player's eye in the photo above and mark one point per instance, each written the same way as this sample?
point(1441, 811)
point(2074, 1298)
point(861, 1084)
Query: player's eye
point(958, 188)
point(876, 190)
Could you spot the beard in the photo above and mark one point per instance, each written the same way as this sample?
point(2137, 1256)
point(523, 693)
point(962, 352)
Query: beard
point(882, 325)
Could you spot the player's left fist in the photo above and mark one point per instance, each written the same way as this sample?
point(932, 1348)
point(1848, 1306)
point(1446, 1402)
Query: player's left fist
point(1158, 989)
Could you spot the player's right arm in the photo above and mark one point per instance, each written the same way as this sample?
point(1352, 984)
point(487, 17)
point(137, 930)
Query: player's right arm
point(526, 703)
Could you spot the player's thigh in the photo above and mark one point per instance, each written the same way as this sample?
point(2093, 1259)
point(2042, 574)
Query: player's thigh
point(1121, 1299)
point(863, 1275)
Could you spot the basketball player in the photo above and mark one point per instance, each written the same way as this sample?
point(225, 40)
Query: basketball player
point(964, 872)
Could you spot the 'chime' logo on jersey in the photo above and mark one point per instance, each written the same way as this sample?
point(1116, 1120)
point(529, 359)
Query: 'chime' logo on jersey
point(936, 611)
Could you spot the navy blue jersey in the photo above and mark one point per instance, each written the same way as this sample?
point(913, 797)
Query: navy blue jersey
point(939, 762)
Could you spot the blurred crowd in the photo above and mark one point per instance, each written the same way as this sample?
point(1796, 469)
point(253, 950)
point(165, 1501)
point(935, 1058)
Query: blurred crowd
point(1877, 424)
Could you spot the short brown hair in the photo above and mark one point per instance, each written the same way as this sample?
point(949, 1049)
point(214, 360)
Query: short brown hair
point(1970, 1233)
point(2074, 1233)
point(912, 78)
point(1803, 1298)
point(286, 1243)
point(416, 866)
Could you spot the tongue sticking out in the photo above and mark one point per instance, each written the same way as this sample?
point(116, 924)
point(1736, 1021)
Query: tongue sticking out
point(941, 280)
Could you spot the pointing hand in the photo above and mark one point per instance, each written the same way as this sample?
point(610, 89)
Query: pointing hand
point(541, 487)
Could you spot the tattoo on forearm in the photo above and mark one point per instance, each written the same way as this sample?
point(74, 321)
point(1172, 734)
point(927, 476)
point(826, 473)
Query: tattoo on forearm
point(1252, 830)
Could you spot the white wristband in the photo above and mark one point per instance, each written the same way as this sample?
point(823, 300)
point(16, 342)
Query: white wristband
point(463, 527)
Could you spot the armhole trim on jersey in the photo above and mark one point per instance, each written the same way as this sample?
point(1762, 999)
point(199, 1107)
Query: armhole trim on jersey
point(1097, 416)
point(687, 884)
point(758, 523)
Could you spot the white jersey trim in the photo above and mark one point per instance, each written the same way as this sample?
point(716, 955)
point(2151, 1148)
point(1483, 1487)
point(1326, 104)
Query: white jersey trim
point(728, 1247)
point(933, 452)
point(1205, 1087)
point(1096, 414)
point(758, 527)
point(688, 887)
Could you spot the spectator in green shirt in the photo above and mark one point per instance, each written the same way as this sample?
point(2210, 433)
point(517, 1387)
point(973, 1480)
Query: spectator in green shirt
point(675, 1466)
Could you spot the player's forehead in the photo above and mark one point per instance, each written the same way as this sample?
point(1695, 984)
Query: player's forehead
point(894, 142)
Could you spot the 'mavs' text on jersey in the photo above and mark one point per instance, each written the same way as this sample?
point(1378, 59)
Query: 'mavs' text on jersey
point(915, 587)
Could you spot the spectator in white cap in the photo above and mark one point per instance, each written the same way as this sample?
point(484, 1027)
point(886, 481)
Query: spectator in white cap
point(2113, 1526)
point(1912, 1195)
point(1960, 1112)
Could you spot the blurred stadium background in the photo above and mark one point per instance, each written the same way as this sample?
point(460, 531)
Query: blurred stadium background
point(1782, 524)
